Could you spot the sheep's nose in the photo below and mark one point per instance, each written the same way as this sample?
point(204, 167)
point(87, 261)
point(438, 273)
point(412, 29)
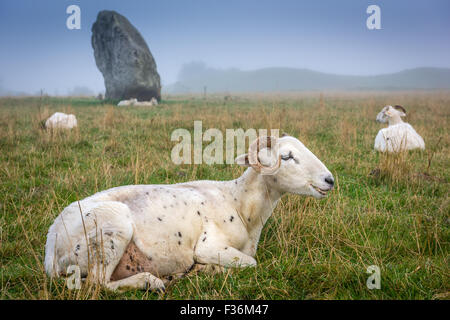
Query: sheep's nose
point(330, 180)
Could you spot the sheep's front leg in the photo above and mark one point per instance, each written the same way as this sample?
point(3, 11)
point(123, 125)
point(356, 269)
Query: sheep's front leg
point(222, 255)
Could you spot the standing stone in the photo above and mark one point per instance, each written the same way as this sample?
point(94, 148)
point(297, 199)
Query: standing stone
point(124, 59)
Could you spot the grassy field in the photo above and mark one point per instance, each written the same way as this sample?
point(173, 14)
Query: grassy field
point(386, 210)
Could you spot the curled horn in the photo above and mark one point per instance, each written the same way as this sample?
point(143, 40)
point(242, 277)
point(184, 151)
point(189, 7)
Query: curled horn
point(398, 107)
point(253, 150)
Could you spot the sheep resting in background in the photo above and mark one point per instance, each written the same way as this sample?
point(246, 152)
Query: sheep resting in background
point(399, 135)
point(129, 102)
point(61, 120)
point(135, 102)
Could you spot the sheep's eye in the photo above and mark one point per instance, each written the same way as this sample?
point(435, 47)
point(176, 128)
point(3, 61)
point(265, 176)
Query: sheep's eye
point(288, 157)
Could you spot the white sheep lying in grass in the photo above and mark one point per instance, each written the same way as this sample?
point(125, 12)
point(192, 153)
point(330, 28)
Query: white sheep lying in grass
point(129, 102)
point(398, 135)
point(137, 235)
point(135, 102)
point(61, 120)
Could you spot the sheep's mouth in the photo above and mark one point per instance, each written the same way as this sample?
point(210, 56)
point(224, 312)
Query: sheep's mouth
point(323, 192)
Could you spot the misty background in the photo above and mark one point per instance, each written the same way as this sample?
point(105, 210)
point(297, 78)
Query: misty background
point(233, 45)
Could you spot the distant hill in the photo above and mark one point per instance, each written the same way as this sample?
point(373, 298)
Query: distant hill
point(195, 76)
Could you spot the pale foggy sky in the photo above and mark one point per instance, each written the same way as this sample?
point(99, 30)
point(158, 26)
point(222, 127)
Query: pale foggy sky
point(38, 51)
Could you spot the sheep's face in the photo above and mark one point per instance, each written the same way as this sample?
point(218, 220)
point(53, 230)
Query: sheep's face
point(382, 117)
point(299, 171)
point(390, 112)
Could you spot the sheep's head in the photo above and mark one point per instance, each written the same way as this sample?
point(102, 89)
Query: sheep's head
point(390, 112)
point(288, 166)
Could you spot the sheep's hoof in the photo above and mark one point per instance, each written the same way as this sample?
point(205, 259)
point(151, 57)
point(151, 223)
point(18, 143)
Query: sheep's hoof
point(159, 288)
point(153, 283)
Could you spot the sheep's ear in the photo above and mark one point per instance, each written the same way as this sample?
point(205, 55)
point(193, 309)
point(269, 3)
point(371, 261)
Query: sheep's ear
point(401, 110)
point(242, 160)
point(284, 134)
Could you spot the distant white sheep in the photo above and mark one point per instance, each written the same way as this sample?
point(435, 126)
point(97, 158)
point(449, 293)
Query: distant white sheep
point(129, 102)
point(61, 120)
point(398, 135)
point(135, 102)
